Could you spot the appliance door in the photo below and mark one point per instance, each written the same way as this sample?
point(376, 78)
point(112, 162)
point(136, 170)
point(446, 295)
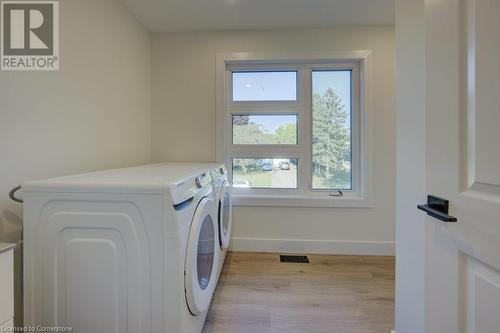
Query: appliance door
point(200, 279)
point(225, 215)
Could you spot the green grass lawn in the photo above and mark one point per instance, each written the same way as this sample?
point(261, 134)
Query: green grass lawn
point(263, 179)
point(321, 183)
point(256, 178)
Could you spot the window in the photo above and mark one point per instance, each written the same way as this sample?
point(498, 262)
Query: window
point(331, 129)
point(264, 129)
point(295, 130)
point(265, 173)
point(264, 86)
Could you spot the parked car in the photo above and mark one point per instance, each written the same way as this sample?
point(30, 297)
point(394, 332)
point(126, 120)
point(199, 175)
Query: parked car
point(241, 184)
point(267, 167)
point(285, 166)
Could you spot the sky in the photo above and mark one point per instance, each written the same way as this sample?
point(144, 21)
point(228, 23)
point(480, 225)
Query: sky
point(282, 86)
point(339, 81)
point(265, 86)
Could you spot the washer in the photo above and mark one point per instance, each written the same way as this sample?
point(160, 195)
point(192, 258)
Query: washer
point(127, 250)
point(224, 210)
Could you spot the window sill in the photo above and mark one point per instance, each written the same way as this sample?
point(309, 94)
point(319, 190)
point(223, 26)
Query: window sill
point(302, 201)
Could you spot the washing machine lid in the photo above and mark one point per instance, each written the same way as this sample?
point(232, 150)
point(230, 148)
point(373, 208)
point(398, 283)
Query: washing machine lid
point(201, 263)
point(225, 215)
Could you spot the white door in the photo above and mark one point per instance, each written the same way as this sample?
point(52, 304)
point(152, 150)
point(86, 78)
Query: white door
point(225, 215)
point(462, 259)
point(201, 258)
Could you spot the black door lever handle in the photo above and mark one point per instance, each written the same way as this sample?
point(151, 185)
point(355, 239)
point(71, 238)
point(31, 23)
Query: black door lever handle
point(438, 208)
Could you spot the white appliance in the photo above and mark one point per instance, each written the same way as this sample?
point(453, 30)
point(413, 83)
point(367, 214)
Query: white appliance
point(126, 250)
point(224, 209)
point(7, 287)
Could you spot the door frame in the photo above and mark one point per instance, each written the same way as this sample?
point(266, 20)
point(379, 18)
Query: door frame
point(410, 165)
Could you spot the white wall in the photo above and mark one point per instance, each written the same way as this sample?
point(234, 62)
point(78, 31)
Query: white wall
point(94, 113)
point(183, 128)
point(411, 165)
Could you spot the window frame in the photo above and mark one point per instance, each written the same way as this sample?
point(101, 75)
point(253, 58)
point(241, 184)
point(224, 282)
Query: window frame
point(358, 62)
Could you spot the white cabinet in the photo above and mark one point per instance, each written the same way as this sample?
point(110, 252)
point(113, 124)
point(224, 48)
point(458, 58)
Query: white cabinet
point(6, 286)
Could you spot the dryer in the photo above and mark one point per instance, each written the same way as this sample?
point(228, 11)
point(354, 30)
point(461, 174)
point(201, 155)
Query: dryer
point(127, 250)
point(224, 210)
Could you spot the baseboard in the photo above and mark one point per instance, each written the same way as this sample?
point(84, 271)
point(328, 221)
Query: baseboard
point(382, 248)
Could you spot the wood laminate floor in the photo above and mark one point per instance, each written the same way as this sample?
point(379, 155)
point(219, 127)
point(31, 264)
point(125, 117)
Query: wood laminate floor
point(332, 294)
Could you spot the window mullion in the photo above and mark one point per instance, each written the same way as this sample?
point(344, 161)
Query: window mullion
point(265, 151)
point(306, 129)
point(265, 108)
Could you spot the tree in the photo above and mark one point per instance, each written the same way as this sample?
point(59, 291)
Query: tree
point(246, 131)
point(286, 134)
point(251, 133)
point(331, 137)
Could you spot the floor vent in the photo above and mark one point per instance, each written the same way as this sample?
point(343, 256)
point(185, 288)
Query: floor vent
point(294, 259)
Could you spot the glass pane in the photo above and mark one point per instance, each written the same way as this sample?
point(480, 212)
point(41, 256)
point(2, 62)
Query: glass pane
point(265, 86)
point(265, 173)
point(225, 213)
point(331, 144)
point(205, 258)
point(265, 130)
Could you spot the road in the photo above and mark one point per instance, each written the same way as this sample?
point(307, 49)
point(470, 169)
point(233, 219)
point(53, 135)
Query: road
point(284, 178)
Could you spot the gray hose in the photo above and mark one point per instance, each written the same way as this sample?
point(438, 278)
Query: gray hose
point(13, 192)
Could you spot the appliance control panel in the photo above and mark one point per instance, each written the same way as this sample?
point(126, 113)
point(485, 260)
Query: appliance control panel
point(187, 188)
point(202, 180)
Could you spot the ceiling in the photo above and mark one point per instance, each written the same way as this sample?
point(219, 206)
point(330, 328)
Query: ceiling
point(196, 15)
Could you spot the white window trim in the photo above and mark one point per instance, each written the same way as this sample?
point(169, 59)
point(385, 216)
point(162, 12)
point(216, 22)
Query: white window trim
point(361, 197)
